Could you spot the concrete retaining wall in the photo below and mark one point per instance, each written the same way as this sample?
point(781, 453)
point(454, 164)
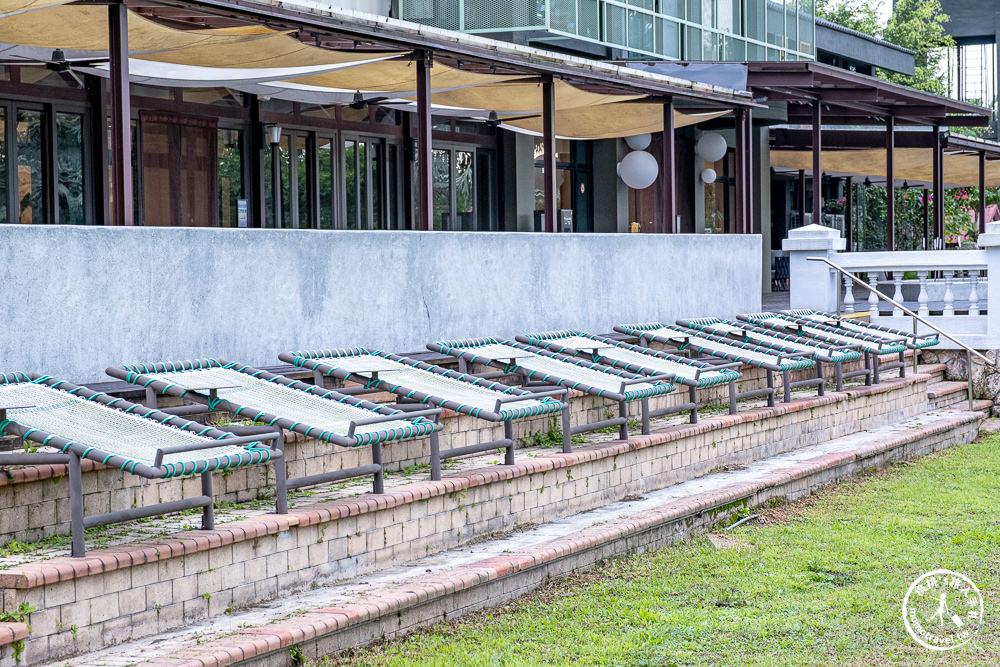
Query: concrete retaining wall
point(77, 299)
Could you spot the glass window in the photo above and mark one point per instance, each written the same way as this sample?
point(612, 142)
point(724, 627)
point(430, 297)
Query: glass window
point(775, 23)
point(3, 166)
point(285, 159)
point(465, 190)
point(302, 180)
point(755, 20)
point(351, 183)
point(230, 176)
point(692, 43)
point(326, 159)
point(441, 167)
point(30, 149)
point(69, 168)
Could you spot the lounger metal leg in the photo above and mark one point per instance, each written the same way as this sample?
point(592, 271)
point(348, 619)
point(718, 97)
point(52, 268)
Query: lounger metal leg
point(694, 402)
point(152, 399)
point(508, 433)
point(732, 396)
point(770, 385)
point(79, 546)
point(463, 365)
point(902, 364)
point(787, 385)
point(838, 370)
point(868, 367)
point(645, 416)
point(875, 361)
point(280, 476)
point(435, 457)
point(319, 379)
point(820, 388)
point(567, 429)
point(379, 486)
point(208, 511)
point(623, 413)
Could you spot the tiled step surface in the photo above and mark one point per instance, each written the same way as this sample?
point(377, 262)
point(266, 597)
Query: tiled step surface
point(335, 617)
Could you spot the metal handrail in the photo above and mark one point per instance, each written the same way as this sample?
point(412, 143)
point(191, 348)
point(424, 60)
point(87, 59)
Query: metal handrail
point(916, 318)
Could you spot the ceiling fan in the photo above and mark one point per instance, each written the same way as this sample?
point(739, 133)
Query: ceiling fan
point(59, 63)
point(361, 103)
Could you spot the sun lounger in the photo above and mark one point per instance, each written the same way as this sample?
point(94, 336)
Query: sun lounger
point(619, 354)
point(855, 325)
point(540, 367)
point(873, 346)
point(771, 360)
point(84, 424)
point(282, 403)
point(423, 384)
point(746, 332)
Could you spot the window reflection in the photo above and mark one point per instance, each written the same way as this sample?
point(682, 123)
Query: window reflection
point(30, 148)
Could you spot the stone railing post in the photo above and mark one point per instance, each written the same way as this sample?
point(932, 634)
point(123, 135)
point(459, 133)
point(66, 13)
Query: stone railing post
point(990, 242)
point(813, 284)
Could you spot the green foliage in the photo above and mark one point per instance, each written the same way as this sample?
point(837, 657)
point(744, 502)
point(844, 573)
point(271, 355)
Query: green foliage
point(819, 583)
point(20, 616)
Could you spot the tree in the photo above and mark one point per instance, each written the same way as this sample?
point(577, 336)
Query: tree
point(919, 25)
point(853, 14)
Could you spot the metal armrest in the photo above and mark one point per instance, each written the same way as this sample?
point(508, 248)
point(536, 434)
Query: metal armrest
point(211, 444)
point(390, 418)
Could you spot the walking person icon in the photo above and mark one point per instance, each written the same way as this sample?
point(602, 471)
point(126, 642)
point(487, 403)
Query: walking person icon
point(943, 611)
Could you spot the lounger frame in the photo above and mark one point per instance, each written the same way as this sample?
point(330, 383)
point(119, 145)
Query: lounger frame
point(872, 357)
point(824, 351)
point(137, 374)
point(463, 350)
point(911, 338)
point(545, 340)
point(643, 331)
point(410, 398)
point(72, 453)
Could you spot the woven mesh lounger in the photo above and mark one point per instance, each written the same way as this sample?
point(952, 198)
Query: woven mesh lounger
point(873, 346)
point(540, 366)
point(642, 360)
point(422, 383)
point(84, 424)
point(767, 358)
point(784, 342)
point(284, 403)
point(913, 341)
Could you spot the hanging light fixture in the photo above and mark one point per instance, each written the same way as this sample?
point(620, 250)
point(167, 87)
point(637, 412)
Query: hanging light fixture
point(868, 182)
point(906, 186)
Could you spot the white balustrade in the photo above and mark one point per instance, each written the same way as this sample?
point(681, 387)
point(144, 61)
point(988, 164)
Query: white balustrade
point(872, 297)
point(848, 304)
point(949, 296)
point(897, 295)
point(922, 309)
point(973, 294)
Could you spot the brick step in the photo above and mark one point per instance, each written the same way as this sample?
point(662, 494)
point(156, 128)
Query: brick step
point(936, 371)
point(154, 585)
point(945, 394)
point(333, 618)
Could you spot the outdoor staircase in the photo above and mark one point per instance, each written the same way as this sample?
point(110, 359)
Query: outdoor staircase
point(342, 571)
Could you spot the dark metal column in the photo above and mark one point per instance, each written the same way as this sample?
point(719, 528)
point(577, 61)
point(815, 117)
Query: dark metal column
point(748, 158)
point(425, 182)
point(927, 221)
point(890, 183)
point(668, 177)
point(549, 148)
point(802, 197)
point(982, 191)
point(98, 154)
point(849, 213)
point(258, 207)
point(817, 167)
point(938, 185)
point(740, 208)
point(121, 117)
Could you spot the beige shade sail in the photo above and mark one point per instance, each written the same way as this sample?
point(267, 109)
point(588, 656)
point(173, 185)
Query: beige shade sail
point(85, 28)
point(16, 6)
point(608, 121)
point(911, 164)
point(398, 76)
point(521, 96)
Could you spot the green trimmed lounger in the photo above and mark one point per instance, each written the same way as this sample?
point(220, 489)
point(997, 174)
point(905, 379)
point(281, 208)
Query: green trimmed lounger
point(283, 403)
point(769, 359)
point(418, 383)
point(540, 367)
point(784, 342)
point(84, 424)
point(853, 325)
point(619, 354)
point(873, 346)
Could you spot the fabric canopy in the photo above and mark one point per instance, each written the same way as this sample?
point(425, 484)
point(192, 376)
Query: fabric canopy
point(914, 165)
point(521, 96)
point(15, 6)
point(609, 121)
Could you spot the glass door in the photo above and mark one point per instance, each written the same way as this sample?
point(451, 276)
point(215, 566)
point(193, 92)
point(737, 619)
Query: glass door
point(455, 189)
point(369, 183)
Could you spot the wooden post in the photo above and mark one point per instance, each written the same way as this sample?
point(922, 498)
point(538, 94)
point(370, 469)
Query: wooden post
point(817, 166)
point(938, 185)
point(802, 197)
point(549, 148)
point(256, 189)
point(668, 179)
point(121, 117)
point(849, 213)
point(425, 174)
point(927, 223)
point(890, 183)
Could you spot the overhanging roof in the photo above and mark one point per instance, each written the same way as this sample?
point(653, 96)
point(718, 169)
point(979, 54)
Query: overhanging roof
point(849, 98)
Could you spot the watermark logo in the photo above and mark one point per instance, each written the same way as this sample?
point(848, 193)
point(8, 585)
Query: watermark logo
point(942, 610)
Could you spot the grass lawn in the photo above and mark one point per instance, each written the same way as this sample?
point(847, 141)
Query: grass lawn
point(817, 581)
